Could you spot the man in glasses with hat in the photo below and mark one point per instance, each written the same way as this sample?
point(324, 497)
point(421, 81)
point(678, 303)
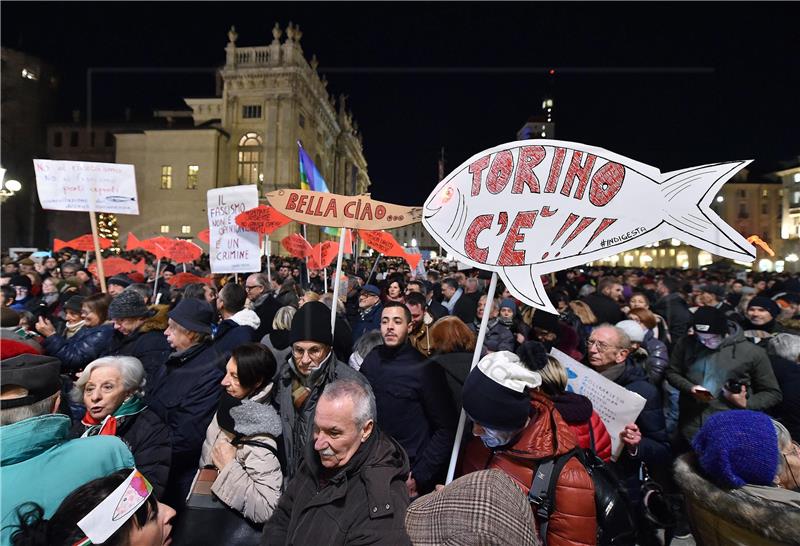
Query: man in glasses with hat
point(37, 462)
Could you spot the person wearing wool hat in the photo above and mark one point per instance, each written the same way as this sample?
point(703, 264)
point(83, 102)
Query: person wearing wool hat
point(509, 317)
point(139, 331)
point(717, 369)
point(514, 428)
point(185, 390)
point(732, 482)
point(23, 285)
point(761, 320)
point(303, 376)
point(117, 284)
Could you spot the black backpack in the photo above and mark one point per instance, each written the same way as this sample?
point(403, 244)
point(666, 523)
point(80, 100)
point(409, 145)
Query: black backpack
point(615, 516)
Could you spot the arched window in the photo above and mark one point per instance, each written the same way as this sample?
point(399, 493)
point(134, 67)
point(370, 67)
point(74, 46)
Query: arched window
point(249, 160)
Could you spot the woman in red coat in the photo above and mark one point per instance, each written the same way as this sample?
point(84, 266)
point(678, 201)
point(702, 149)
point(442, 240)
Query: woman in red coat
point(575, 408)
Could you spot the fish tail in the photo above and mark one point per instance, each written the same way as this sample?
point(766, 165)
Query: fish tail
point(412, 259)
point(688, 195)
point(133, 242)
point(58, 244)
point(526, 284)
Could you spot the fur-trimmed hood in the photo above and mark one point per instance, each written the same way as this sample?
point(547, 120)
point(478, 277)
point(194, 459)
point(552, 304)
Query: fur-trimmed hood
point(246, 317)
point(159, 321)
point(772, 519)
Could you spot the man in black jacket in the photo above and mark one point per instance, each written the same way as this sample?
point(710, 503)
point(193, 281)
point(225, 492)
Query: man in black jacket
point(349, 488)
point(604, 303)
point(672, 307)
point(263, 302)
point(413, 401)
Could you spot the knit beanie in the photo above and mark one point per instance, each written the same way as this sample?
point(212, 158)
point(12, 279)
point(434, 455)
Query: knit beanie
point(21, 280)
point(545, 321)
point(128, 304)
point(312, 322)
point(709, 320)
point(509, 303)
point(120, 280)
point(495, 393)
point(738, 447)
point(634, 330)
point(765, 303)
point(533, 355)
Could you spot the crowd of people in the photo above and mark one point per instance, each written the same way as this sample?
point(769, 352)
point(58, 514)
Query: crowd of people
point(229, 411)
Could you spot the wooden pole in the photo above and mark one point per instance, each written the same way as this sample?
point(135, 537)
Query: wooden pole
point(325, 278)
point(155, 281)
point(98, 256)
point(374, 267)
point(336, 281)
point(267, 245)
point(476, 356)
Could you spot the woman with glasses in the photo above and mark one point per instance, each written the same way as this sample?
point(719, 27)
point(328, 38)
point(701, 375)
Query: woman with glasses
point(88, 343)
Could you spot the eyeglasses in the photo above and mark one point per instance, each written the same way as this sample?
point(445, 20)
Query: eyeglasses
point(601, 345)
point(249, 288)
point(314, 352)
point(367, 295)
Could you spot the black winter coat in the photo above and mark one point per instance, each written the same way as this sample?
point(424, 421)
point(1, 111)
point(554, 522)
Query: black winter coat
point(788, 411)
point(266, 311)
point(363, 503)
point(604, 308)
point(148, 438)
point(675, 311)
point(230, 335)
point(413, 408)
point(81, 349)
point(148, 343)
point(185, 393)
point(456, 368)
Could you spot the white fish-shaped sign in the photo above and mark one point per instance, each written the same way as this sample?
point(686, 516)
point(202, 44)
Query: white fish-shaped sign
point(530, 207)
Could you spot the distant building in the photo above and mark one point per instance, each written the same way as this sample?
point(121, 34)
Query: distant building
point(29, 93)
point(271, 97)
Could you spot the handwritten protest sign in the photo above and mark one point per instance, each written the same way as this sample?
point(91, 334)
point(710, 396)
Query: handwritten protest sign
point(528, 208)
point(86, 186)
point(333, 210)
point(84, 242)
point(322, 254)
point(232, 248)
point(182, 252)
point(262, 219)
point(616, 405)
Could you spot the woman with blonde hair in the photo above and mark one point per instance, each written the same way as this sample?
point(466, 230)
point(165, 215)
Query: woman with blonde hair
point(277, 341)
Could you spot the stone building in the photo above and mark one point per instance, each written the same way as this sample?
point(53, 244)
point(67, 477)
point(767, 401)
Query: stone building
point(271, 98)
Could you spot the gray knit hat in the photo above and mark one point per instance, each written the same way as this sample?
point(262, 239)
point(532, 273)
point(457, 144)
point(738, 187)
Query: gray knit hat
point(128, 304)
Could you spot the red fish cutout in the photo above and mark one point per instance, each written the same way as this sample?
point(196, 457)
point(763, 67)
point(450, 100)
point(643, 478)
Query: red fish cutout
point(296, 245)
point(181, 280)
point(184, 251)
point(205, 236)
point(322, 254)
point(115, 266)
point(262, 220)
point(384, 243)
point(84, 243)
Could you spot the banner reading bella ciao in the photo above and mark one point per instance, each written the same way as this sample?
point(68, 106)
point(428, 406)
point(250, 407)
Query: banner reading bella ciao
point(528, 208)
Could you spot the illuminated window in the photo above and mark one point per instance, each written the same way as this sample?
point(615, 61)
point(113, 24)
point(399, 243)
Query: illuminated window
point(796, 177)
point(251, 111)
point(186, 229)
point(249, 159)
point(29, 74)
point(192, 174)
point(166, 178)
point(164, 228)
point(764, 193)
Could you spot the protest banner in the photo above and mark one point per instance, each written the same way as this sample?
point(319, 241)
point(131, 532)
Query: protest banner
point(263, 220)
point(616, 405)
point(528, 208)
point(84, 243)
point(334, 210)
point(115, 265)
point(232, 248)
point(296, 245)
point(183, 252)
point(181, 280)
point(86, 186)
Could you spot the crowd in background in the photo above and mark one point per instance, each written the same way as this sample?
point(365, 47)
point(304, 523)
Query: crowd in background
point(302, 435)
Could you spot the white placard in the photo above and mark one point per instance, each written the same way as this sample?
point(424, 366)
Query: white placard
point(616, 405)
point(86, 186)
point(231, 248)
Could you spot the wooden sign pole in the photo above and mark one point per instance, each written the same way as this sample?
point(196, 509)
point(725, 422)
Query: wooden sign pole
point(98, 256)
point(336, 281)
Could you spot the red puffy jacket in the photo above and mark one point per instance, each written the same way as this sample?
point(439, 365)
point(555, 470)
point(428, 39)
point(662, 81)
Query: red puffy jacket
point(577, 411)
point(573, 521)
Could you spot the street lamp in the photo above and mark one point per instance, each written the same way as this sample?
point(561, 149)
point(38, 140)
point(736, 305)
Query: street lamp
point(9, 187)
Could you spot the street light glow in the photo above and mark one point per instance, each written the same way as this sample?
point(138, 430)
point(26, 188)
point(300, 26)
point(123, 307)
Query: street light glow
point(13, 185)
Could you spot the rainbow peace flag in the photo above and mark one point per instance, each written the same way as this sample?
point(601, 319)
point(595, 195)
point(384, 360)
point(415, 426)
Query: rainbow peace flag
point(311, 179)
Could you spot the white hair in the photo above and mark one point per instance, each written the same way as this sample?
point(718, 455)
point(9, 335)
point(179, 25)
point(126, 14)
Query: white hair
point(130, 370)
point(360, 393)
point(9, 416)
point(786, 346)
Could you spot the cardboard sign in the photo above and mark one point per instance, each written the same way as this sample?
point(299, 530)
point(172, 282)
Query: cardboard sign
point(387, 245)
point(84, 243)
point(182, 252)
point(616, 405)
point(333, 210)
point(528, 208)
point(233, 249)
point(86, 186)
point(296, 245)
point(262, 219)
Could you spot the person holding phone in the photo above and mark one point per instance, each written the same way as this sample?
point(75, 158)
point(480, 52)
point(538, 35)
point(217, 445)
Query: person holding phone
point(716, 368)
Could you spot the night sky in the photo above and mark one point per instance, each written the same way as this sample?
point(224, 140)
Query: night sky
point(672, 85)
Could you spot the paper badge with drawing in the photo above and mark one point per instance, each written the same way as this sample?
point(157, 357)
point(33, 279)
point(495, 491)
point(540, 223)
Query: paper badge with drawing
point(528, 208)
